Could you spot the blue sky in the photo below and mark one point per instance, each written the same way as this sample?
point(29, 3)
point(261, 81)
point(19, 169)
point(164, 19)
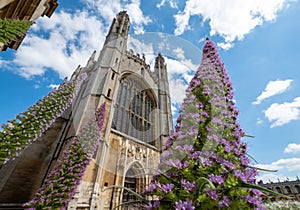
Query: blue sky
point(258, 42)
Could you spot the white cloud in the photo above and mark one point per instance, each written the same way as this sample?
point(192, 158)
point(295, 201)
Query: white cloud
point(273, 88)
point(270, 177)
point(280, 114)
point(53, 86)
point(142, 48)
point(292, 148)
point(177, 90)
point(225, 46)
point(66, 40)
point(109, 9)
point(259, 121)
point(291, 164)
point(173, 108)
point(231, 19)
point(183, 60)
point(172, 4)
point(70, 39)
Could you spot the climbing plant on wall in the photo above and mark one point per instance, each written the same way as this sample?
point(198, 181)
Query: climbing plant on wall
point(29, 125)
point(12, 29)
point(61, 183)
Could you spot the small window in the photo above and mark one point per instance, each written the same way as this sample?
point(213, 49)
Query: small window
point(297, 188)
point(278, 190)
point(108, 92)
point(288, 189)
point(113, 76)
point(142, 72)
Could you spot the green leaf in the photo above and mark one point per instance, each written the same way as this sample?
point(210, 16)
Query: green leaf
point(257, 187)
point(202, 181)
point(251, 157)
point(247, 135)
point(262, 169)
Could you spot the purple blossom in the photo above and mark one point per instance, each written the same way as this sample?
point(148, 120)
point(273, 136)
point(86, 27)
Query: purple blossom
point(224, 202)
point(253, 200)
point(245, 161)
point(166, 188)
point(189, 186)
point(195, 155)
point(151, 187)
point(175, 163)
point(186, 205)
point(153, 205)
point(228, 164)
point(216, 178)
point(212, 194)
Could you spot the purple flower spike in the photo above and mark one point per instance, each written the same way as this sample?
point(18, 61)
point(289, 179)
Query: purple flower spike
point(205, 153)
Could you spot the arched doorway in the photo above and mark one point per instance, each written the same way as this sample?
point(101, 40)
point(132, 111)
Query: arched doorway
point(130, 183)
point(134, 180)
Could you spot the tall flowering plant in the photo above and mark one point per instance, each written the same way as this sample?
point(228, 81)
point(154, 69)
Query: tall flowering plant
point(61, 183)
point(29, 125)
point(204, 164)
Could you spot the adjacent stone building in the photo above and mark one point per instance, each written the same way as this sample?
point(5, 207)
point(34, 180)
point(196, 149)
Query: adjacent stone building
point(137, 123)
point(25, 10)
point(289, 188)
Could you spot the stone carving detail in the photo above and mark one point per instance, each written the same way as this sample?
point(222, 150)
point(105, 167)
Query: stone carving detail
point(82, 195)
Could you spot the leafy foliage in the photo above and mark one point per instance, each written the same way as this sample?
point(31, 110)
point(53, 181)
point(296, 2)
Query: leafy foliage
point(12, 29)
point(61, 183)
point(30, 125)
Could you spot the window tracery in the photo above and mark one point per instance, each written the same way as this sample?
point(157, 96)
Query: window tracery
point(133, 111)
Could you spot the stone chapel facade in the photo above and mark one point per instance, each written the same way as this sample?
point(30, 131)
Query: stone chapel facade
point(138, 121)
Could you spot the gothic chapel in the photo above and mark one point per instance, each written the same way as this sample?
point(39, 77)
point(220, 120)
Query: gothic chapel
point(138, 121)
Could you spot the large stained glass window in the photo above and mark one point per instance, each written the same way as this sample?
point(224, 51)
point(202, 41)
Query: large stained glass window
point(134, 111)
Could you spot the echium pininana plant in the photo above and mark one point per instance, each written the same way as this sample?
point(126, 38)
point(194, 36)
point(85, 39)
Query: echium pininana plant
point(204, 164)
point(61, 183)
point(29, 125)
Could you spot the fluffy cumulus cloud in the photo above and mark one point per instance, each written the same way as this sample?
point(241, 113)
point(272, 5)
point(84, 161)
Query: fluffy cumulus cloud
point(271, 177)
point(109, 9)
point(230, 19)
point(280, 114)
point(67, 40)
point(177, 90)
point(290, 164)
point(273, 88)
point(292, 148)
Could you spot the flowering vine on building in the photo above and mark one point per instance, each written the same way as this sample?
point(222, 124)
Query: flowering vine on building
point(29, 125)
point(61, 183)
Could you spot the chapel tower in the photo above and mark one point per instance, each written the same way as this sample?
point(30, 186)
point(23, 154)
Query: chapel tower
point(138, 121)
